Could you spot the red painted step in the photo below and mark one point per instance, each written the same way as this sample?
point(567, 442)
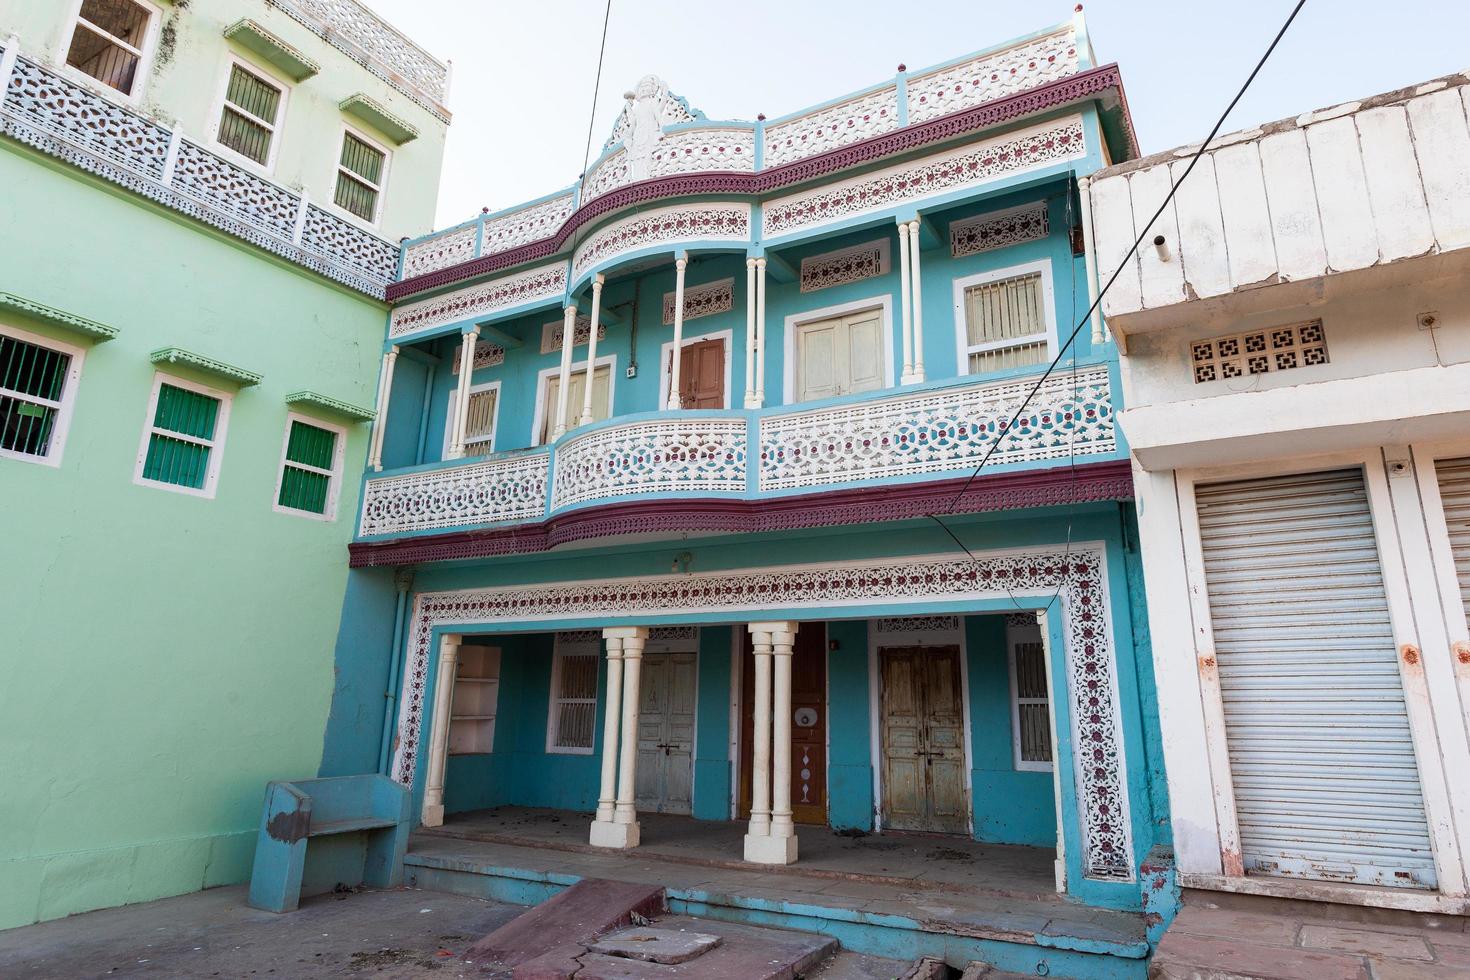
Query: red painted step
point(560, 929)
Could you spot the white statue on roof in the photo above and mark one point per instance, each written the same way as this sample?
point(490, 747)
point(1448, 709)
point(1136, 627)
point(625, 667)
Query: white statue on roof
point(641, 124)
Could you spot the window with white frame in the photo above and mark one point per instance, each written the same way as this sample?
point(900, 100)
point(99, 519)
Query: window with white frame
point(573, 715)
point(250, 113)
point(1006, 319)
point(550, 386)
point(480, 419)
point(38, 385)
point(184, 437)
point(109, 42)
point(311, 468)
point(362, 170)
point(1031, 705)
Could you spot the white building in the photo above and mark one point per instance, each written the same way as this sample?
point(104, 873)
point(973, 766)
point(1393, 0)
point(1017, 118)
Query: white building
point(1296, 345)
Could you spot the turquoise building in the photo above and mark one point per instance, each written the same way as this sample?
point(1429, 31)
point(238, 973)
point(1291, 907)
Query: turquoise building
point(676, 503)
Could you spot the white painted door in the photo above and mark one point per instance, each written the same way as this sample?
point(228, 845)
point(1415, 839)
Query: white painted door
point(666, 733)
point(576, 388)
point(840, 356)
point(1317, 730)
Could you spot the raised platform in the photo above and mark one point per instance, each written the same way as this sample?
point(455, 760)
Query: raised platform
point(895, 895)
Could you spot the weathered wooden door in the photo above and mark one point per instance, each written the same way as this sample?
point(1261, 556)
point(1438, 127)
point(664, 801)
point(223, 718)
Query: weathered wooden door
point(666, 733)
point(840, 356)
point(923, 740)
point(702, 375)
point(808, 724)
point(576, 394)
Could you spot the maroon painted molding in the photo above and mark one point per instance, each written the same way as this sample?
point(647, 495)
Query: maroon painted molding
point(1055, 486)
point(1053, 95)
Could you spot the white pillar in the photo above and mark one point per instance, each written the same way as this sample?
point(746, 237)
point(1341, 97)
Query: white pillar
point(679, 266)
point(439, 733)
point(462, 399)
point(750, 400)
point(1089, 252)
point(568, 341)
point(597, 282)
point(905, 287)
point(918, 301)
point(380, 417)
point(760, 332)
point(625, 810)
point(772, 837)
point(606, 831)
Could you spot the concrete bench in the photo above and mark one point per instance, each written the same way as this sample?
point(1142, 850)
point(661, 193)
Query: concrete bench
point(299, 811)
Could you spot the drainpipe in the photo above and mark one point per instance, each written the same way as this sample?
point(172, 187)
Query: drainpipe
point(403, 581)
point(429, 378)
point(1089, 252)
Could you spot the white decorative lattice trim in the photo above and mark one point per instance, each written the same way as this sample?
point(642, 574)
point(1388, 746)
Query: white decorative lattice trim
point(486, 355)
point(992, 76)
point(581, 333)
point(1027, 223)
point(474, 302)
point(1259, 352)
point(705, 456)
point(916, 624)
point(827, 129)
point(663, 227)
point(1076, 578)
point(528, 224)
point(941, 173)
point(852, 264)
point(440, 252)
point(937, 431)
point(508, 489)
point(704, 300)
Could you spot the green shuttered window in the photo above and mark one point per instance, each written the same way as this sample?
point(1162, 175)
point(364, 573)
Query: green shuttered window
point(360, 177)
point(33, 384)
point(310, 469)
point(250, 115)
point(181, 441)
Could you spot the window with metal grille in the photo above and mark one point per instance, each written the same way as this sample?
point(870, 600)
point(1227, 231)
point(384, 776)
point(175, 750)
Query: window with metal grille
point(479, 423)
point(108, 40)
point(360, 177)
point(1031, 722)
point(310, 469)
point(181, 445)
point(573, 699)
point(1006, 324)
point(251, 112)
point(34, 393)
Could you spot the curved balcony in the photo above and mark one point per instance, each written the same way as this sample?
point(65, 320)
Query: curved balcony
point(722, 470)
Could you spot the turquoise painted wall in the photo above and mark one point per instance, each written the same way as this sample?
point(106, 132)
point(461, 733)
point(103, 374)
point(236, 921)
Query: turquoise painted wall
point(168, 654)
point(850, 748)
point(712, 763)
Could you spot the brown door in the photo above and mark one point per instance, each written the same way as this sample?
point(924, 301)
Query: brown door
point(922, 727)
point(808, 724)
point(702, 375)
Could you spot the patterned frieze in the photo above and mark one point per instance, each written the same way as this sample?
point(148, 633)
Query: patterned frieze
point(581, 332)
point(486, 355)
point(1076, 576)
point(916, 624)
point(835, 126)
point(1027, 223)
point(941, 173)
point(992, 76)
point(702, 300)
point(439, 252)
point(949, 429)
point(852, 264)
point(511, 488)
point(475, 302)
point(670, 226)
point(701, 455)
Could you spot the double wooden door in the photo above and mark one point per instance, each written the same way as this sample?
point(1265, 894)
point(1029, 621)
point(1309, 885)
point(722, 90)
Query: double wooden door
point(922, 727)
point(665, 778)
point(808, 724)
point(702, 374)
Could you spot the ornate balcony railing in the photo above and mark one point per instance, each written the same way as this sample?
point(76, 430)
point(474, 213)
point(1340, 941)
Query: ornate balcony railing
point(936, 431)
point(66, 120)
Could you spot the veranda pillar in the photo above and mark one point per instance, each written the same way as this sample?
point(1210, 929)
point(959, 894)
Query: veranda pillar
point(606, 832)
point(439, 736)
point(905, 288)
point(462, 398)
point(380, 419)
point(680, 264)
point(564, 376)
point(760, 332)
point(772, 835)
point(917, 298)
point(751, 401)
point(597, 282)
point(625, 810)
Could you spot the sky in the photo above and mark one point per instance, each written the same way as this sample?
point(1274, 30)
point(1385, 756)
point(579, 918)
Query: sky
point(524, 70)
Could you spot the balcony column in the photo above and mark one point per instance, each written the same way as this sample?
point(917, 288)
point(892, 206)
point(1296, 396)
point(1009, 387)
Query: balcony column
point(905, 277)
point(380, 417)
point(439, 733)
point(564, 377)
point(462, 399)
point(675, 401)
point(772, 836)
point(606, 832)
point(917, 376)
point(750, 400)
point(597, 282)
point(625, 811)
point(760, 332)
point(1089, 252)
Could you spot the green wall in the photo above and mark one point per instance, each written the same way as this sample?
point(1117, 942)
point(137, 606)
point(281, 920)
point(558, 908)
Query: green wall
point(165, 655)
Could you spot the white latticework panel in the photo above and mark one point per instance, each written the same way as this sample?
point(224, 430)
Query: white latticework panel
point(510, 489)
point(827, 129)
point(439, 252)
point(529, 224)
point(203, 175)
point(992, 76)
point(331, 235)
point(937, 431)
point(349, 21)
point(691, 454)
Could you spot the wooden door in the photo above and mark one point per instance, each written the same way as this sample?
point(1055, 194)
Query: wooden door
point(840, 356)
point(921, 725)
point(576, 388)
point(702, 375)
point(665, 776)
point(808, 724)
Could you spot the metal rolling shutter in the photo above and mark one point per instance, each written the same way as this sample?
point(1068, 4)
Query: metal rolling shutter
point(1326, 784)
point(1454, 490)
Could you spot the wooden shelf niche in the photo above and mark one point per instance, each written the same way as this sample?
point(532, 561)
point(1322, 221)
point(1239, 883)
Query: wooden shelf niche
point(476, 693)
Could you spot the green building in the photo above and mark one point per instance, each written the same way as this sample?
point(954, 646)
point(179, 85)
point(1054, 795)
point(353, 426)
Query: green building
point(200, 211)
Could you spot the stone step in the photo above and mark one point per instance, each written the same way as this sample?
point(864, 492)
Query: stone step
point(556, 932)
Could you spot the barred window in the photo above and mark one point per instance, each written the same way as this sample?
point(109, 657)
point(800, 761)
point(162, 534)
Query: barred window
point(1006, 323)
point(360, 173)
point(573, 698)
point(1031, 714)
point(37, 386)
point(108, 41)
point(479, 425)
point(311, 469)
point(250, 115)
